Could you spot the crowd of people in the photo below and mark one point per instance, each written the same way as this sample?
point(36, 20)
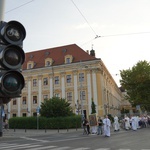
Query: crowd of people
point(132, 122)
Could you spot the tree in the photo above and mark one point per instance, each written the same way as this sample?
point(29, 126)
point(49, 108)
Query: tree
point(136, 82)
point(55, 107)
point(93, 106)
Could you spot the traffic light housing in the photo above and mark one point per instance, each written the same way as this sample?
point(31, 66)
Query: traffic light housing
point(12, 57)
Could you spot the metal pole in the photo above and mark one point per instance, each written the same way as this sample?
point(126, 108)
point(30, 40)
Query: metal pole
point(37, 121)
point(2, 3)
point(82, 114)
point(2, 6)
point(1, 121)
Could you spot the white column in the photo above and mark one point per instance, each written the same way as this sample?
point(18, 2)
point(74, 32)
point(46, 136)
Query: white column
point(63, 85)
point(18, 102)
point(29, 96)
point(75, 86)
point(51, 85)
point(95, 89)
point(89, 91)
point(40, 90)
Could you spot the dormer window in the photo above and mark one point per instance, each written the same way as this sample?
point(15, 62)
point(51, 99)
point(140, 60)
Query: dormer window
point(48, 62)
point(30, 65)
point(68, 59)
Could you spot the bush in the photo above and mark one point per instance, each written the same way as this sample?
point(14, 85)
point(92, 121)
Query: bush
point(45, 123)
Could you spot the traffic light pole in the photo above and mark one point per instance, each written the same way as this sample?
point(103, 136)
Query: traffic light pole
point(2, 4)
point(1, 121)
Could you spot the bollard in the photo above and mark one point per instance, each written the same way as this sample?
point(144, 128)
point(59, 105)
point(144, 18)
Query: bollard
point(14, 129)
point(45, 129)
point(25, 130)
point(58, 130)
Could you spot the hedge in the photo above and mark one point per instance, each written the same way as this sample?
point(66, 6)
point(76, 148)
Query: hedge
point(45, 123)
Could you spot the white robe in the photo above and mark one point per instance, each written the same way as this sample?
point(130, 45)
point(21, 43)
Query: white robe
point(107, 125)
point(134, 124)
point(127, 123)
point(116, 123)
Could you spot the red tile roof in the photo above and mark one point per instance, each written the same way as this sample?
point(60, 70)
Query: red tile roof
point(58, 55)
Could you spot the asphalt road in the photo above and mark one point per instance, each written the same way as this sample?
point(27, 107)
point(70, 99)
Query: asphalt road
point(123, 140)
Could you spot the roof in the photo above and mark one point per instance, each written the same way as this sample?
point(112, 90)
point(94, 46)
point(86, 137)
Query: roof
point(58, 55)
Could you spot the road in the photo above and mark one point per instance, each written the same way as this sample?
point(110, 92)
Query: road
point(123, 140)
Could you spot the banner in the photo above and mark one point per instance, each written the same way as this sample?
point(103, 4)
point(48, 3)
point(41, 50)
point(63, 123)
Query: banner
point(92, 120)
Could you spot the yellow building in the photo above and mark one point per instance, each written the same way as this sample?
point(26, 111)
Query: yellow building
point(68, 72)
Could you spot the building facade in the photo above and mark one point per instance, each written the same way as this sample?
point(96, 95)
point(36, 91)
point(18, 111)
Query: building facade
point(67, 72)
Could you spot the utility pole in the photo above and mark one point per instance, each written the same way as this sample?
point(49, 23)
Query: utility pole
point(2, 6)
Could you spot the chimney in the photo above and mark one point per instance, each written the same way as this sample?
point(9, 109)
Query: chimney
point(92, 52)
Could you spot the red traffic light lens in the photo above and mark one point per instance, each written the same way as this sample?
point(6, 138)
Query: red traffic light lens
point(12, 57)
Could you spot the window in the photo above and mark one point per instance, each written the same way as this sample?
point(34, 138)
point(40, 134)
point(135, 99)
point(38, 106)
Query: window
point(48, 63)
point(24, 114)
point(45, 97)
point(69, 96)
point(29, 66)
point(14, 102)
point(34, 82)
point(35, 114)
point(45, 81)
point(68, 61)
point(82, 95)
point(68, 78)
point(34, 99)
point(81, 77)
point(14, 115)
point(24, 101)
point(57, 95)
point(56, 80)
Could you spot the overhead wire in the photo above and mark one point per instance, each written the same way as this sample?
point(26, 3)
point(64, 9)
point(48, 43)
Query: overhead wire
point(84, 17)
point(19, 6)
point(96, 35)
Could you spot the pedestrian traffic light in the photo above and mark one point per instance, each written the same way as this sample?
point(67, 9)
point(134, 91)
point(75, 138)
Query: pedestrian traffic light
point(12, 57)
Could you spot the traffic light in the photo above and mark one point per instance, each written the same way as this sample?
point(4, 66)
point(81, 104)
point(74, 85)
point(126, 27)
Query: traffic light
point(12, 57)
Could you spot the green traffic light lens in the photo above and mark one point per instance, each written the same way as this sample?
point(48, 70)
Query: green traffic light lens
point(11, 82)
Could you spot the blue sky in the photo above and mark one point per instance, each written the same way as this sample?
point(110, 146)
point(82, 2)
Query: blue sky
point(123, 27)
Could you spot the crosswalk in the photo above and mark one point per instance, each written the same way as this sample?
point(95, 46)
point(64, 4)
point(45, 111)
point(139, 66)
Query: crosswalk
point(15, 146)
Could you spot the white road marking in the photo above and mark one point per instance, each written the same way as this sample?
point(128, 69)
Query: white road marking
point(39, 148)
point(82, 148)
point(34, 139)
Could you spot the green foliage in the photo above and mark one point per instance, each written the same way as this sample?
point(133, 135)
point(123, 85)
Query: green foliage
point(136, 81)
point(56, 107)
point(111, 118)
point(45, 123)
point(93, 107)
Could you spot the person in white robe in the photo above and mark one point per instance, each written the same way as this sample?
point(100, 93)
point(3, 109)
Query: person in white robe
point(116, 124)
point(127, 123)
point(106, 125)
point(134, 124)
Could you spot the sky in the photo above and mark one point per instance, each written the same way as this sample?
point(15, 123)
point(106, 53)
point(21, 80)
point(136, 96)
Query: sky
point(118, 30)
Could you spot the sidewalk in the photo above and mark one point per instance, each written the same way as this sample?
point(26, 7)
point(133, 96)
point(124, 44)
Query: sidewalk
point(35, 132)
